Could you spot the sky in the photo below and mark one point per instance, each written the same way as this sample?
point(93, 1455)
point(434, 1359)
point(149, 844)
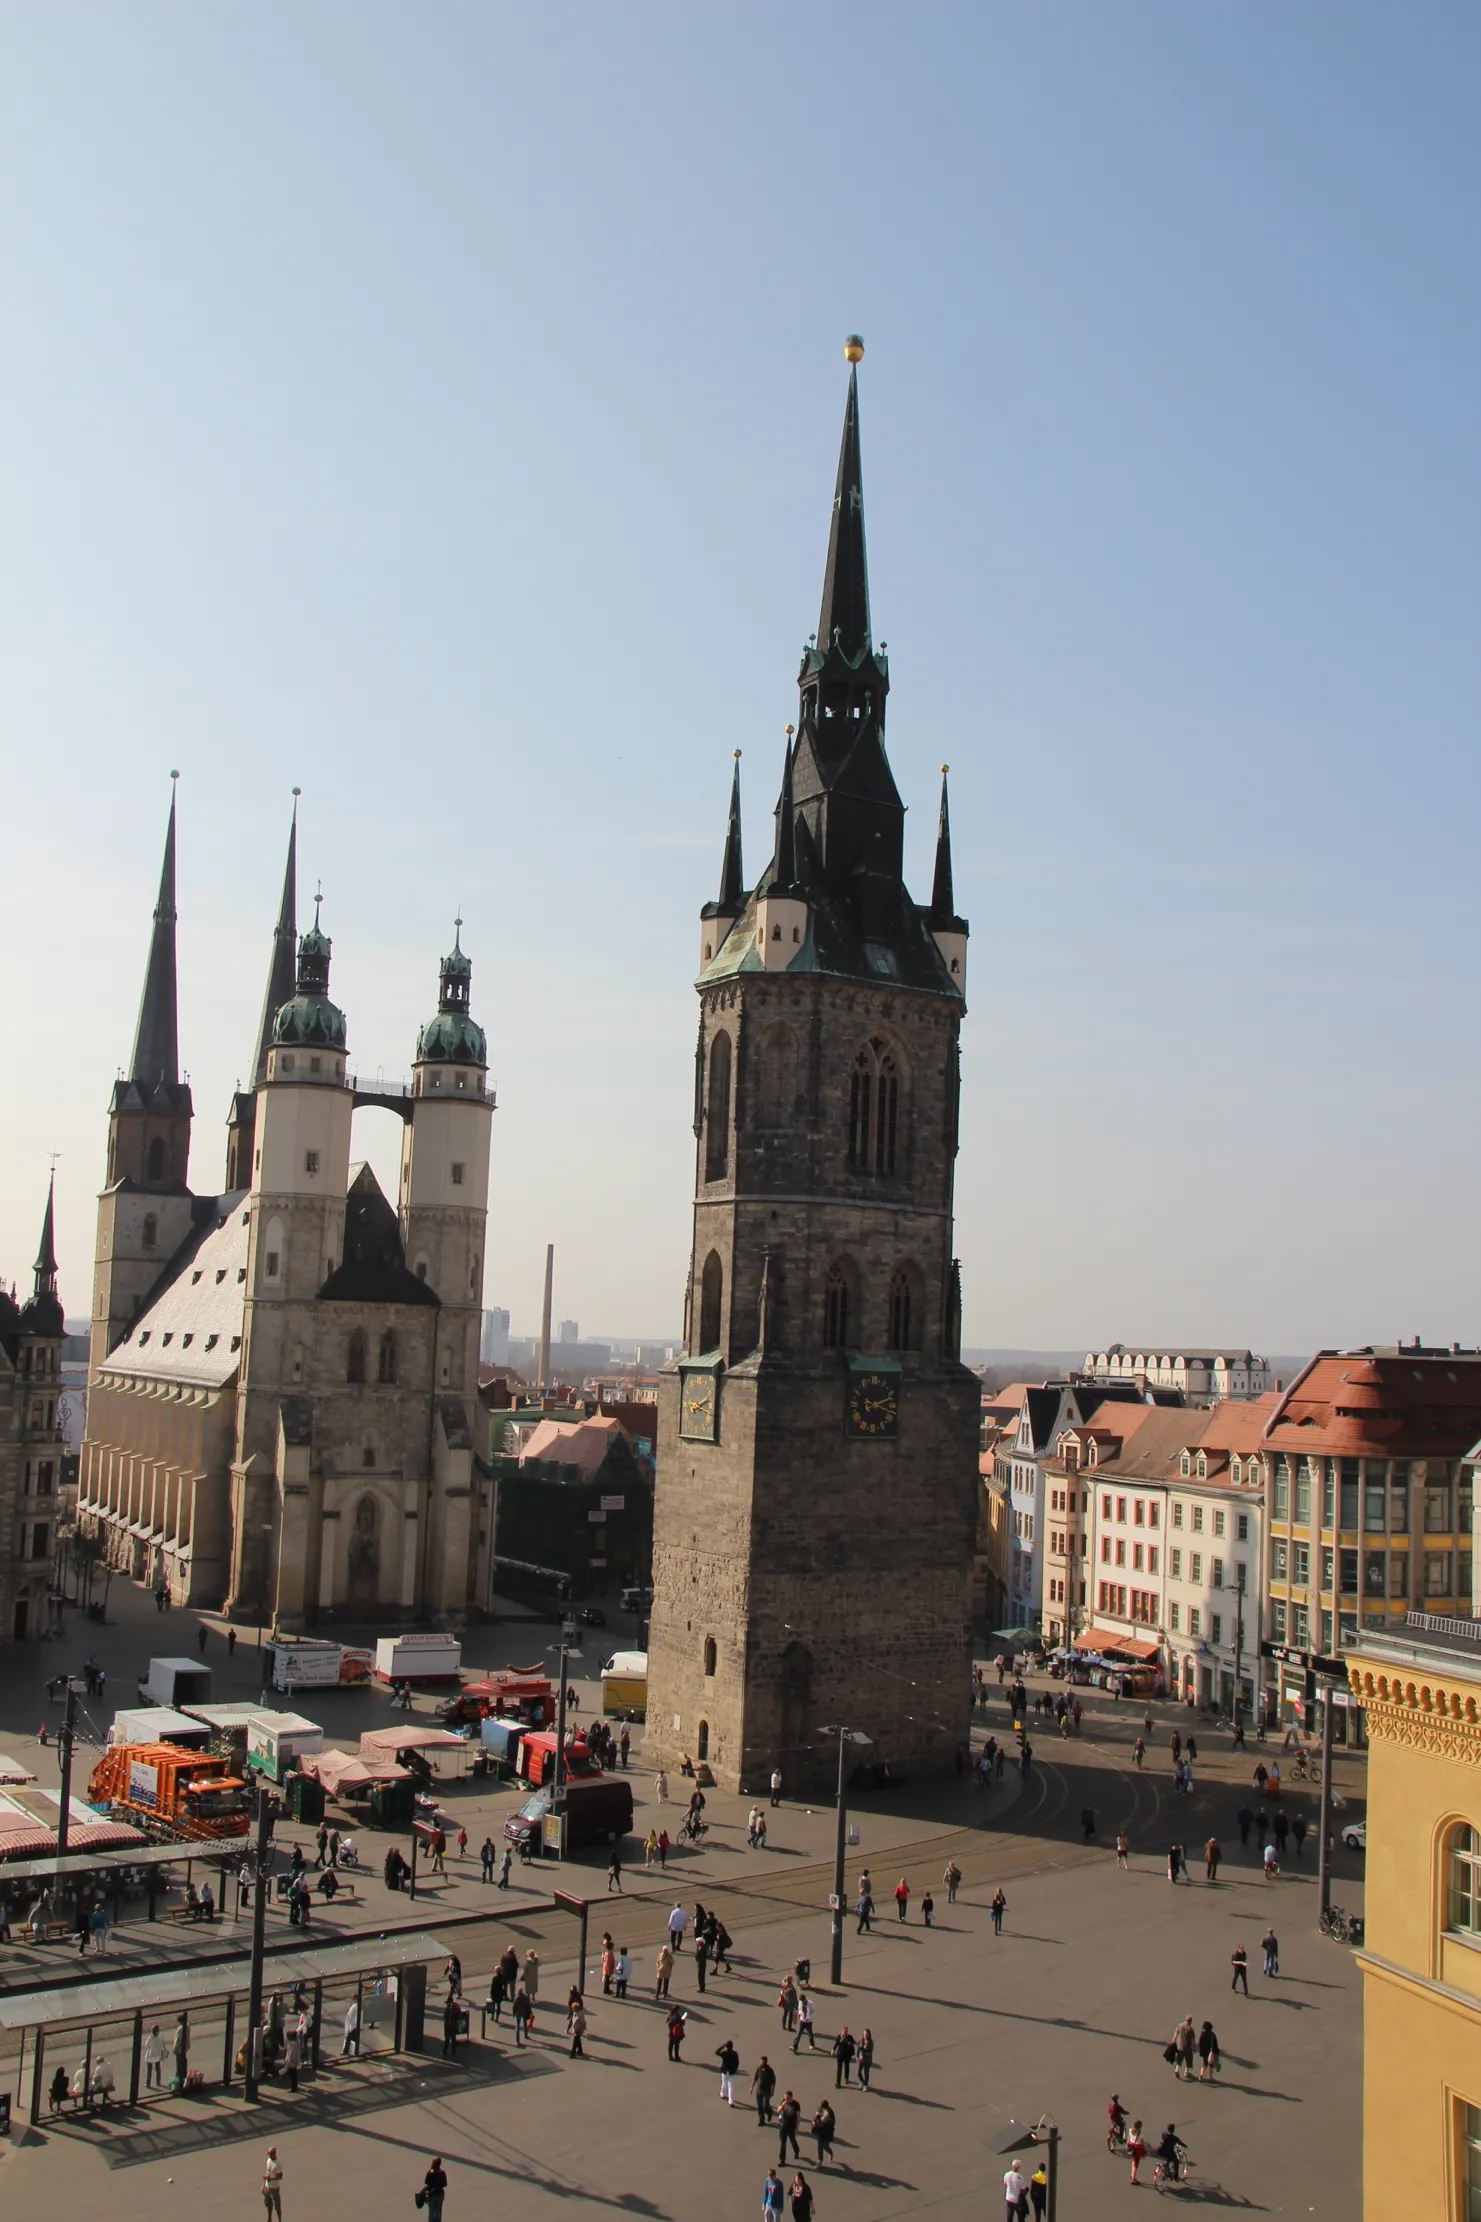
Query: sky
point(436, 407)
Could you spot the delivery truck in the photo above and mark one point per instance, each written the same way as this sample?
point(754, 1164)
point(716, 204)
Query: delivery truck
point(177, 1683)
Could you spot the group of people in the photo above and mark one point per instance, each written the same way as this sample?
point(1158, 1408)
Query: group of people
point(1170, 2152)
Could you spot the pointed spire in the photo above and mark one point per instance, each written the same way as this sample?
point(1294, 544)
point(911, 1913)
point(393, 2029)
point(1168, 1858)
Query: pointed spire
point(784, 855)
point(46, 1256)
point(156, 1058)
point(732, 876)
point(846, 579)
point(943, 902)
point(282, 966)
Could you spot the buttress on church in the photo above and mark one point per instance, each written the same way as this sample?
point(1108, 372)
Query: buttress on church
point(283, 1377)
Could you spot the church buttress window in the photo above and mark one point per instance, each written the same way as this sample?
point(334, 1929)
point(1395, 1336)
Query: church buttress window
point(836, 1309)
point(151, 1230)
point(717, 1110)
point(157, 1159)
point(355, 1362)
point(386, 1364)
point(904, 1310)
point(711, 1292)
point(874, 1109)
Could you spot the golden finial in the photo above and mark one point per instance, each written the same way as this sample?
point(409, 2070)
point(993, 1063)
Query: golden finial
point(853, 348)
point(791, 729)
point(945, 769)
point(737, 755)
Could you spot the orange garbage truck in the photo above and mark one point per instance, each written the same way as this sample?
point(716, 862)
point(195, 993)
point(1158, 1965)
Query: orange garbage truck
point(191, 1796)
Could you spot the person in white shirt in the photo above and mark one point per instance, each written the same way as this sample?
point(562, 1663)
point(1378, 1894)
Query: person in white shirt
point(154, 2060)
point(272, 2184)
point(352, 2030)
point(1015, 2193)
point(102, 2080)
point(678, 1923)
point(776, 1785)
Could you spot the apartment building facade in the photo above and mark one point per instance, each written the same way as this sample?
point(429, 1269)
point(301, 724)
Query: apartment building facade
point(1200, 1375)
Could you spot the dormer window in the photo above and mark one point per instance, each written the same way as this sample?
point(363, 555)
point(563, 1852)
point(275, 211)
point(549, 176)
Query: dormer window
point(144, 1334)
point(1202, 1467)
point(186, 1341)
point(236, 1342)
point(1185, 1465)
point(1092, 1454)
point(220, 1275)
point(166, 1340)
point(195, 1276)
point(211, 1341)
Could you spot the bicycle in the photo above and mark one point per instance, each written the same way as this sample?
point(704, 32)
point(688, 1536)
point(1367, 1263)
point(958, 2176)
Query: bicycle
point(1346, 1927)
point(1116, 2142)
point(1165, 2179)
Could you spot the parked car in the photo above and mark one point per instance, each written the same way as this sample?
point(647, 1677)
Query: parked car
point(1355, 1836)
point(592, 1616)
point(637, 1597)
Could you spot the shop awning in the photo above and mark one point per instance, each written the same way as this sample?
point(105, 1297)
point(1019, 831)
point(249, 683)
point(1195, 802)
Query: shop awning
point(1101, 1643)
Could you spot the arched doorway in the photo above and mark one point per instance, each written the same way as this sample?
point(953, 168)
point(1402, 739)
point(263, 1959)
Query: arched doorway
point(363, 1560)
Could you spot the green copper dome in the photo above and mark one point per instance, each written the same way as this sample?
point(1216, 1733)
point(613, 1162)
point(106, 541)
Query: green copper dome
point(453, 1038)
point(308, 1016)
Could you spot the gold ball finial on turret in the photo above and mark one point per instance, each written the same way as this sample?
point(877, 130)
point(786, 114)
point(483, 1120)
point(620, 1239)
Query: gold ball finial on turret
point(737, 755)
point(945, 769)
point(853, 348)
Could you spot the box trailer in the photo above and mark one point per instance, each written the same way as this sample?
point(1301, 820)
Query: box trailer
point(277, 1741)
point(159, 1724)
point(177, 1683)
point(418, 1658)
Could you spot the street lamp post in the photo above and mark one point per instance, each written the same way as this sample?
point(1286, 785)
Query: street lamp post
point(569, 1646)
point(64, 1745)
point(846, 1736)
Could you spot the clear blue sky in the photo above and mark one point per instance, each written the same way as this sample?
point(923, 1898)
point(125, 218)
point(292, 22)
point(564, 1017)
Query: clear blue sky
point(437, 407)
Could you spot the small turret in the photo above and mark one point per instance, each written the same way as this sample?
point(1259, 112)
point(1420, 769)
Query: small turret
point(42, 1317)
point(781, 899)
point(717, 918)
point(948, 931)
point(452, 1037)
point(281, 969)
point(308, 1021)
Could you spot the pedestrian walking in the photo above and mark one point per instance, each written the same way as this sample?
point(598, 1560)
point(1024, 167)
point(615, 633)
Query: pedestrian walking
point(504, 1866)
point(997, 1909)
point(650, 1847)
point(952, 1879)
point(293, 2057)
point(773, 2198)
point(663, 1968)
point(433, 2191)
point(927, 1908)
point(1123, 1848)
point(1038, 2182)
point(844, 2049)
point(624, 1971)
point(701, 1961)
point(763, 2087)
point(806, 2013)
point(154, 2060)
point(1136, 2145)
point(824, 2125)
point(1282, 1828)
point(531, 1972)
point(1211, 1857)
point(1174, 1861)
point(462, 1843)
point(231, 1643)
point(676, 2021)
point(661, 1785)
point(1015, 2193)
point(1138, 1751)
point(801, 2198)
point(1239, 1961)
point(866, 2058)
point(1298, 1832)
point(729, 2060)
point(789, 2114)
point(1270, 1946)
point(624, 1745)
point(1210, 2060)
point(486, 1857)
point(865, 1911)
point(272, 2184)
point(180, 2052)
point(200, 1638)
point(321, 1841)
point(1246, 1820)
point(1184, 2042)
point(678, 1923)
point(614, 1870)
point(776, 1786)
point(786, 1998)
point(524, 2015)
point(902, 1897)
point(579, 2027)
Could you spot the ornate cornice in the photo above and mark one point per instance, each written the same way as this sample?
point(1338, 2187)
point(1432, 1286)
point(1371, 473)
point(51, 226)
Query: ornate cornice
point(1427, 1713)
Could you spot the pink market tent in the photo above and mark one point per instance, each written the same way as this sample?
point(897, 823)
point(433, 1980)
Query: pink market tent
point(348, 1774)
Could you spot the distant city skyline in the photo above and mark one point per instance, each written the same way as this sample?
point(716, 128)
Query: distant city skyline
point(442, 418)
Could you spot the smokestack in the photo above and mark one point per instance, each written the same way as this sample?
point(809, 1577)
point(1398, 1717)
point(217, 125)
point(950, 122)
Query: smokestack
point(544, 1375)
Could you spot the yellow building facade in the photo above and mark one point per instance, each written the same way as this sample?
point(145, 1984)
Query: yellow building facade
point(1419, 1684)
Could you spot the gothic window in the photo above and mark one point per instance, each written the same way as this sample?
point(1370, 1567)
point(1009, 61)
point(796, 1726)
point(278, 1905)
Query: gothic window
point(157, 1158)
point(777, 1090)
point(717, 1110)
point(151, 1230)
point(702, 1741)
point(836, 1308)
point(711, 1290)
point(905, 1311)
point(874, 1109)
point(355, 1363)
point(710, 1655)
point(385, 1371)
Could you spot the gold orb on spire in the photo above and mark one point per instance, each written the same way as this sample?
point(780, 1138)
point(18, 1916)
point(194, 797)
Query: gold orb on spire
point(945, 769)
point(737, 755)
point(853, 348)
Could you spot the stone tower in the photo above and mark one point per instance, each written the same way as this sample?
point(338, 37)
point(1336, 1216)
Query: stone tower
point(144, 1212)
point(818, 1437)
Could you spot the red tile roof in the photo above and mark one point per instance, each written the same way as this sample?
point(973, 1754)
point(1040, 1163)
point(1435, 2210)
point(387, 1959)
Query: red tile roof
point(1389, 1403)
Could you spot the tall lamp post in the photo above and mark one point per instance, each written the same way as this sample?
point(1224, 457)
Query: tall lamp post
point(846, 1736)
point(1236, 1590)
point(72, 1684)
point(568, 1647)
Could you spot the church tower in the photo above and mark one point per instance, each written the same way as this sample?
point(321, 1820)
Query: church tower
point(144, 1211)
point(281, 976)
point(445, 1168)
point(818, 1437)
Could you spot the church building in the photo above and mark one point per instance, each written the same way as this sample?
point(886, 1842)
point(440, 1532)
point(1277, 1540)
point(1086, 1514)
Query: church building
point(283, 1377)
point(32, 1447)
point(817, 1467)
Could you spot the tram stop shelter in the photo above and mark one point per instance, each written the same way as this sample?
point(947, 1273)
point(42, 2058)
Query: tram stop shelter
point(386, 1977)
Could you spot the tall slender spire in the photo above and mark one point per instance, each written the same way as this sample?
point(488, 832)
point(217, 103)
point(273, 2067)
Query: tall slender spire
point(732, 875)
point(784, 855)
point(46, 1256)
point(282, 967)
point(846, 579)
point(156, 1059)
point(943, 902)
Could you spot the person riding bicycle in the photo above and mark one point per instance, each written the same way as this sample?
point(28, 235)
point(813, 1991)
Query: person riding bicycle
point(1172, 2152)
point(1116, 2114)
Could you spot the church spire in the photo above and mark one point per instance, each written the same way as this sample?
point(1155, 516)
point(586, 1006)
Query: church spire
point(282, 967)
point(943, 902)
point(156, 1059)
point(46, 1256)
point(783, 877)
point(845, 609)
point(732, 875)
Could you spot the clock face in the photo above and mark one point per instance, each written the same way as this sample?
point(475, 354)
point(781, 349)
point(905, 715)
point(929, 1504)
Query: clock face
point(699, 1407)
point(873, 1408)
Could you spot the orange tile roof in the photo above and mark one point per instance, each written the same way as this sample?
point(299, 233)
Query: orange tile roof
point(1389, 1403)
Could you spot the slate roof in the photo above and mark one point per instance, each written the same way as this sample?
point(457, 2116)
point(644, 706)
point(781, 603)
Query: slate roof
point(373, 1269)
point(190, 1334)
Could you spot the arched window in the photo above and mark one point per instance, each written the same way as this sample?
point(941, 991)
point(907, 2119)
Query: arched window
point(355, 1362)
point(836, 1308)
point(157, 1158)
point(874, 1109)
point(386, 1366)
point(1463, 1880)
point(717, 1110)
point(905, 1309)
point(710, 1654)
point(702, 1743)
point(776, 1093)
point(151, 1230)
point(711, 1290)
